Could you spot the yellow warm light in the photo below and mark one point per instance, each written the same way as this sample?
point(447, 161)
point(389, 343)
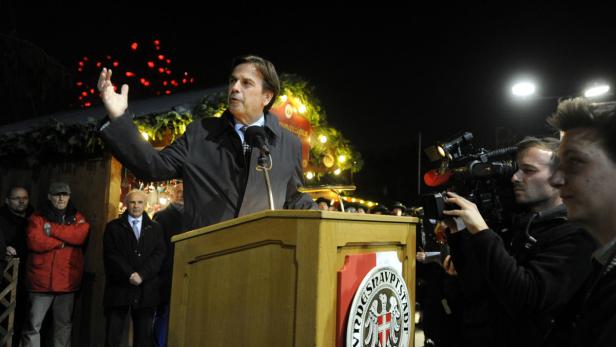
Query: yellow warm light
point(337, 172)
point(283, 98)
point(309, 175)
point(362, 202)
point(301, 109)
point(370, 204)
point(218, 114)
point(353, 200)
point(145, 135)
point(341, 158)
point(322, 138)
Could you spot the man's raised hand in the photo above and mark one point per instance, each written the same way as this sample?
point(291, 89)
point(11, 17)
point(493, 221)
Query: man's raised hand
point(115, 104)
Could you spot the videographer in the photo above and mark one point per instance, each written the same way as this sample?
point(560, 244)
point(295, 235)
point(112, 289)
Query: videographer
point(513, 292)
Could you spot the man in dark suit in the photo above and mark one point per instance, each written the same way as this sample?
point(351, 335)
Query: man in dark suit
point(133, 252)
point(219, 174)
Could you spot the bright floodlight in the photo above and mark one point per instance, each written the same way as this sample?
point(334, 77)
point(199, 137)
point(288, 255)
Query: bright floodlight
point(523, 89)
point(595, 91)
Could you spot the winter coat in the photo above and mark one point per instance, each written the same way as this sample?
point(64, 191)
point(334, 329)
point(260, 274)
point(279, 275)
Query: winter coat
point(123, 255)
point(55, 262)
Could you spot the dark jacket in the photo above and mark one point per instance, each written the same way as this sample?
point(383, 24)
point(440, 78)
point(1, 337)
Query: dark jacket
point(592, 314)
point(123, 255)
point(219, 182)
point(597, 319)
point(514, 295)
point(14, 229)
point(171, 220)
point(55, 262)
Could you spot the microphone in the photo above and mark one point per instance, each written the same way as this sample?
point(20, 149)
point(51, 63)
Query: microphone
point(256, 137)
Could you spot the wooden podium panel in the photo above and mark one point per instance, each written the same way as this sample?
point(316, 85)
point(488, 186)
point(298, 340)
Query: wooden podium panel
point(269, 279)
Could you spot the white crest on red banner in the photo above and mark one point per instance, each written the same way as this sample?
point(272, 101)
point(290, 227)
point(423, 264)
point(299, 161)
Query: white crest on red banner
point(380, 315)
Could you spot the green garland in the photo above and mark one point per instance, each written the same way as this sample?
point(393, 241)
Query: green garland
point(56, 141)
point(337, 145)
point(53, 141)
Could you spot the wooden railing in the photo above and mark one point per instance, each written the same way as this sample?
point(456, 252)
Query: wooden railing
point(8, 295)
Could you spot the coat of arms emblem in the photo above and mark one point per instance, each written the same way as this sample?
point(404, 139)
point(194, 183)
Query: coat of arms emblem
point(380, 315)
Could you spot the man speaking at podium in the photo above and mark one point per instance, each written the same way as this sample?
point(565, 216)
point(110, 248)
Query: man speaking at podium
point(212, 157)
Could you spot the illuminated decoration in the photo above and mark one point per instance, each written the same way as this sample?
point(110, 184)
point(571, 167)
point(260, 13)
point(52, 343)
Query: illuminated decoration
point(144, 63)
point(322, 138)
point(359, 201)
point(328, 161)
point(337, 172)
point(309, 175)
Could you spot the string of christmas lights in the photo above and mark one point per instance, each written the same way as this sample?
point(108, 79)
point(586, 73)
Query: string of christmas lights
point(147, 69)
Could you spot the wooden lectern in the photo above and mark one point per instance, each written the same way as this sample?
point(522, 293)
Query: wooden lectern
point(269, 278)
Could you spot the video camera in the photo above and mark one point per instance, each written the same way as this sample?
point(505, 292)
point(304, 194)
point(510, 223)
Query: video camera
point(474, 174)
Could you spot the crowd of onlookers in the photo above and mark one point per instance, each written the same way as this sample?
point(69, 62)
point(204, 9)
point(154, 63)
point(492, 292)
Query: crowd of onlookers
point(50, 243)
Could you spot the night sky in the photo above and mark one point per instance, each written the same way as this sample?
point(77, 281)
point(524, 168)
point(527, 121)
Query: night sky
point(383, 75)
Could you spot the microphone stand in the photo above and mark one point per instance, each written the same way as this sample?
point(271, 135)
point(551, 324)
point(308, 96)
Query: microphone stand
point(264, 163)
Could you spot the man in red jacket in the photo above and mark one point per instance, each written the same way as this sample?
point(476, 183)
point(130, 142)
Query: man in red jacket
point(56, 235)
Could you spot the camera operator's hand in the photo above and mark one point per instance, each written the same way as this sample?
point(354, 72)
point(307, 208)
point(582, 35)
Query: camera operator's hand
point(448, 265)
point(468, 212)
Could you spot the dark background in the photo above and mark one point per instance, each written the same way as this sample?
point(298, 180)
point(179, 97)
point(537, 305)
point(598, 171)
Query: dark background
point(384, 74)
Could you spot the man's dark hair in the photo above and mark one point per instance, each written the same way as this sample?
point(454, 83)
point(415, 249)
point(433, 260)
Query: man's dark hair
point(582, 113)
point(545, 143)
point(268, 71)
